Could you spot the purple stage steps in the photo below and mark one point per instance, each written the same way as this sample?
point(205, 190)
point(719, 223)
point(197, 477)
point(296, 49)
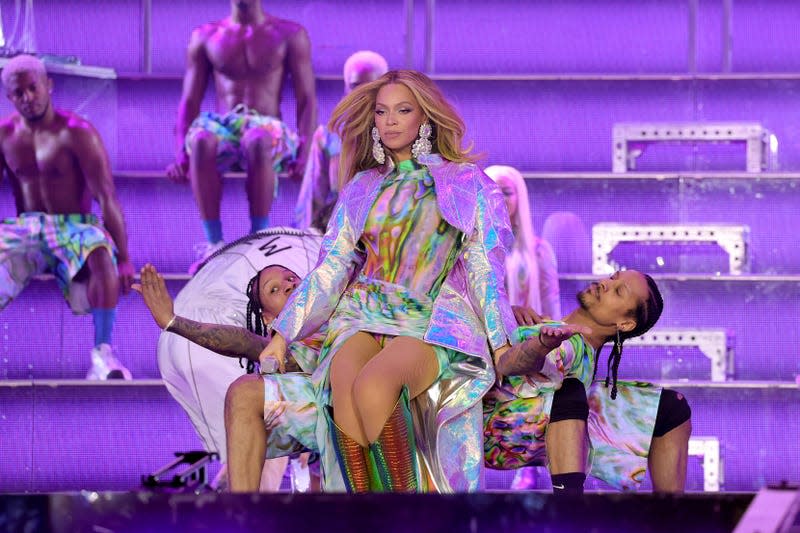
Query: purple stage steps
point(510, 512)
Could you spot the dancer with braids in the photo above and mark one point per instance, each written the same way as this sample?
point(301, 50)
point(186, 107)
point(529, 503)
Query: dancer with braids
point(410, 278)
point(244, 285)
point(540, 409)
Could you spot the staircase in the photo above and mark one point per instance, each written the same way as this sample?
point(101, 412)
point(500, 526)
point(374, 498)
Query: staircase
point(540, 85)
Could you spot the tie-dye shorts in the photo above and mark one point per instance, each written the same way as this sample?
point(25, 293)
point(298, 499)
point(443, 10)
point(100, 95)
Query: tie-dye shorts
point(230, 128)
point(35, 243)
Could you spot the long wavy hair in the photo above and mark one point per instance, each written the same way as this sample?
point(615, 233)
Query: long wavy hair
point(522, 258)
point(354, 117)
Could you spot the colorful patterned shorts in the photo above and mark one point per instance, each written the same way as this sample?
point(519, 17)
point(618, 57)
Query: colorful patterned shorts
point(35, 243)
point(230, 128)
point(290, 414)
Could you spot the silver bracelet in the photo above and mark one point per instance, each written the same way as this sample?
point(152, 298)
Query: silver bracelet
point(171, 321)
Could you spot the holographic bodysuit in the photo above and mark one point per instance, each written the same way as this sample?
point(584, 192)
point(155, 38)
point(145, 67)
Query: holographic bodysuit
point(409, 250)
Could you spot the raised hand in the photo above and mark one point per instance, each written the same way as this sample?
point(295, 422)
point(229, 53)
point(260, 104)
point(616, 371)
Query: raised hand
point(156, 298)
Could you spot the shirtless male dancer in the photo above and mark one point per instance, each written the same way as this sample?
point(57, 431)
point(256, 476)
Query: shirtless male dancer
point(247, 54)
point(56, 163)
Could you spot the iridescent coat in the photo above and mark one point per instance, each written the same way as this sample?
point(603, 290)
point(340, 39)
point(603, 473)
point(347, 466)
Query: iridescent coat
point(470, 314)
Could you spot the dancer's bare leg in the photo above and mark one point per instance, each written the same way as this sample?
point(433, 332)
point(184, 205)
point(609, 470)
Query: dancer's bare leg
point(246, 433)
point(667, 459)
point(567, 446)
point(257, 147)
point(206, 180)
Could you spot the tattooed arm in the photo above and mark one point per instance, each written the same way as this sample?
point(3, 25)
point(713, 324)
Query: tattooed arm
point(231, 341)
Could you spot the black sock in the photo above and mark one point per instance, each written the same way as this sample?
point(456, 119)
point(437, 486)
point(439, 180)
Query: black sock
point(569, 484)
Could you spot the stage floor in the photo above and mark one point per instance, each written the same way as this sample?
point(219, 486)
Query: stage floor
point(384, 513)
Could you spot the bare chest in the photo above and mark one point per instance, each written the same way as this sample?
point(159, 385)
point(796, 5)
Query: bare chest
point(246, 52)
point(38, 157)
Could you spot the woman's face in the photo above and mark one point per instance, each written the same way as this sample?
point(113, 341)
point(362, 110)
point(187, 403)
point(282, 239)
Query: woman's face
point(398, 117)
point(509, 193)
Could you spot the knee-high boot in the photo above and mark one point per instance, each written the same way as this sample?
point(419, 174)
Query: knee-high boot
point(351, 456)
point(394, 453)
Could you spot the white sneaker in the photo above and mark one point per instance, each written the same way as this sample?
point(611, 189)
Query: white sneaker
point(203, 251)
point(105, 365)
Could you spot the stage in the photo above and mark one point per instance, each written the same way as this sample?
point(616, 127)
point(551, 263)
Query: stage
point(498, 511)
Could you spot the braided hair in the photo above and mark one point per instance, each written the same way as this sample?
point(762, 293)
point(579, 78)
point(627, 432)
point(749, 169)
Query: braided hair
point(646, 315)
point(255, 320)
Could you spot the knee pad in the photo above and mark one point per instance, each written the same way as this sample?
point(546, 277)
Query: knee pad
point(673, 410)
point(569, 402)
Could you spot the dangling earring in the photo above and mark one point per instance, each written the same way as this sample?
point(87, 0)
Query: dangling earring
point(618, 343)
point(377, 147)
point(422, 146)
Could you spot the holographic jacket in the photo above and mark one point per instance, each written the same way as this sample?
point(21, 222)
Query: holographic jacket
point(471, 313)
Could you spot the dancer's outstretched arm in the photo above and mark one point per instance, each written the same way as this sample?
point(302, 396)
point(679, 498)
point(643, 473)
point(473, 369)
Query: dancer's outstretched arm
point(230, 341)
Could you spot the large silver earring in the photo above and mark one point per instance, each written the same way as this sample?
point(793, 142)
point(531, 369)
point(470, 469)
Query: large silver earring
point(377, 147)
point(422, 146)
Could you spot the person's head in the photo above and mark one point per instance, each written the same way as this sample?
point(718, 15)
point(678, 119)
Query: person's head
point(245, 5)
point(27, 86)
point(267, 293)
point(512, 184)
point(397, 104)
point(623, 306)
point(363, 67)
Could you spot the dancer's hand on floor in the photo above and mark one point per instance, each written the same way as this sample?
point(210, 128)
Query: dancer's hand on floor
point(274, 351)
point(156, 298)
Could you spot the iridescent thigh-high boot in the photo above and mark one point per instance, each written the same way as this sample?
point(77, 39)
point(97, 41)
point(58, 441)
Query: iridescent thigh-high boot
point(394, 453)
point(352, 457)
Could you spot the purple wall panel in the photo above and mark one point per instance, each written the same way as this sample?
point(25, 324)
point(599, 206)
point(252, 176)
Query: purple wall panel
point(765, 36)
point(746, 308)
point(336, 29)
point(772, 103)
point(518, 36)
point(763, 206)
point(96, 438)
point(559, 125)
point(97, 32)
point(16, 437)
point(709, 36)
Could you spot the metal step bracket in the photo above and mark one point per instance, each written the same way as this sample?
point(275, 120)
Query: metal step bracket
point(732, 238)
point(629, 140)
point(715, 344)
point(707, 448)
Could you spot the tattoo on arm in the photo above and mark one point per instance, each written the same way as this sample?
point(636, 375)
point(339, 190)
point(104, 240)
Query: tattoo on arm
point(524, 358)
point(230, 341)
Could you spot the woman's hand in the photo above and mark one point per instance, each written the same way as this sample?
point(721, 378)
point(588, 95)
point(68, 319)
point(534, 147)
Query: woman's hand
point(526, 316)
point(156, 298)
point(273, 357)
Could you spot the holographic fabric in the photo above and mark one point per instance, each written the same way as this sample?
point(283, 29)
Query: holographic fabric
point(517, 411)
point(394, 453)
point(230, 128)
point(351, 456)
point(34, 243)
point(463, 313)
point(516, 414)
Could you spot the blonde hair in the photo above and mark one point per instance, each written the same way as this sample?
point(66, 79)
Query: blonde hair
point(522, 257)
point(22, 63)
point(354, 117)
